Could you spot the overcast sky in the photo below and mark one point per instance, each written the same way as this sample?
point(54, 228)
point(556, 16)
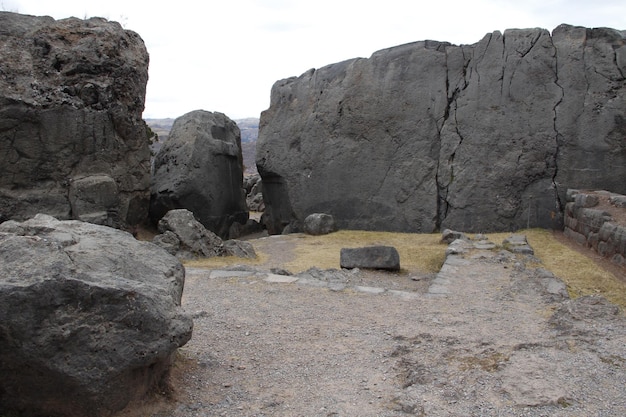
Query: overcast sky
point(225, 55)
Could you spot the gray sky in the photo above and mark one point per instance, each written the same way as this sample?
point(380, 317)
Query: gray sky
point(226, 55)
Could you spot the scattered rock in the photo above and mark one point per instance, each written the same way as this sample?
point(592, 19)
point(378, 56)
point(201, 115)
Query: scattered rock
point(319, 224)
point(458, 247)
point(239, 248)
point(188, 238)
point(200, 168)
point(185, 237)
point(90, 317)
point(371, 257)
point(518, 244)
point(449, 236)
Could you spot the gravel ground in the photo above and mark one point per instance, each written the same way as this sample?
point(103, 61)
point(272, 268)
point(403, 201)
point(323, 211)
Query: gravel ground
point(490, 335)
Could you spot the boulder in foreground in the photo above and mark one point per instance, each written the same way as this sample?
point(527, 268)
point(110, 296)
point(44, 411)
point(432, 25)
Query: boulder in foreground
point(89, 317)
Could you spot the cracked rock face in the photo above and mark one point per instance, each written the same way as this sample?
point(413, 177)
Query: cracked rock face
point(72, 140)
point(430, 135)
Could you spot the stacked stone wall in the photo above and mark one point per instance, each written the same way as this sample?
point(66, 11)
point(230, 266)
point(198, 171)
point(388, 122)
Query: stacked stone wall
point(591, 222)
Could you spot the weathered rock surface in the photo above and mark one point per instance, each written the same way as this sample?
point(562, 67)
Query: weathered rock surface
point(72, 140)
point(429, 135)
point(200, 168)
point(89, 317)
point(370, 257)
point(254, 192)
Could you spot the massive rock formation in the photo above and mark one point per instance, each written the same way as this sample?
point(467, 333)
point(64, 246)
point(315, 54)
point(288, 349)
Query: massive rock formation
point(89, 317)
point(430, 135)
point(72, 141)
point(200, 168)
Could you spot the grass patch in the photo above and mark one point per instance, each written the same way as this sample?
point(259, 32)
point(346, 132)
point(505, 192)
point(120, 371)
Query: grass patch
point(418, 252)
point(424, 253)
point(580, 273)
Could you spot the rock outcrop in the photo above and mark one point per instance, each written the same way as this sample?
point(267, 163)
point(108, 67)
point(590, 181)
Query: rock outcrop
point(89, 317)
point(200, 168)
point(429, 135)
point(254, 192)
point(72, 140)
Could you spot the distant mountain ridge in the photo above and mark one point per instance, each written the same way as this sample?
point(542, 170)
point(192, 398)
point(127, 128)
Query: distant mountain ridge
point(249, 128)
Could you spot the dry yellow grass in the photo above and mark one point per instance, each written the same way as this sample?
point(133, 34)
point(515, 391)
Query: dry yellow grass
point(223, 261)
point(581, 274)
point(418, 252)
point(425, 254)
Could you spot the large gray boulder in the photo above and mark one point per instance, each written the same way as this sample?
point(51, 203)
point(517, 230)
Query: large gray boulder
point(72, 140)
point(200, 168)
point(90, 318)
point(429, 135)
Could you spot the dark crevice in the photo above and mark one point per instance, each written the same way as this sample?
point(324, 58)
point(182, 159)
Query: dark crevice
point(442, 190)
point(532, 45)
point(558, 137)
point(503, 69)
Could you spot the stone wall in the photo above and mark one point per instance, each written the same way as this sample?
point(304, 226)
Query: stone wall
point(596, 219)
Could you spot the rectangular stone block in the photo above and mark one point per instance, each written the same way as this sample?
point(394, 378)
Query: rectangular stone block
point(371, 257)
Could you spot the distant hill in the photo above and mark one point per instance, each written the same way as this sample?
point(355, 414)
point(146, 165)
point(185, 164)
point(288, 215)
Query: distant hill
point(249, 134)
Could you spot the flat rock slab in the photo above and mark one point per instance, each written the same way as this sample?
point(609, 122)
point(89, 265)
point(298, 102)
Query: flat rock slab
point(370, 257)
point(518, 244)
point(229, 274)
point(370, 290)
point(285, 279)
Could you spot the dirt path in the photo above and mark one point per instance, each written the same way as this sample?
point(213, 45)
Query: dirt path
point(490, 335)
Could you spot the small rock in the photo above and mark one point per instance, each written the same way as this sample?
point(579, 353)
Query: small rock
point(319, 224)
point(449, 236)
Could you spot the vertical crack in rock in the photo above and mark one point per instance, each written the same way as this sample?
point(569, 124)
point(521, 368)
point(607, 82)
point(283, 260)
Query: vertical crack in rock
point(507, 122)
point(452, 95)
point(557, 135)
